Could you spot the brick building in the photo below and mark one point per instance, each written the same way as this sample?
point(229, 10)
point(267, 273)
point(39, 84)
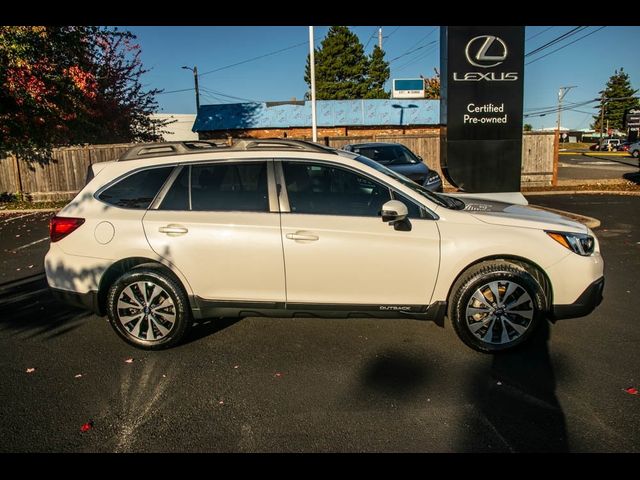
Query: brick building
point(335, 118)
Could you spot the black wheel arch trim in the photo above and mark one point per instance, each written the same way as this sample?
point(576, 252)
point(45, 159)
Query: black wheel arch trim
point(535, 270)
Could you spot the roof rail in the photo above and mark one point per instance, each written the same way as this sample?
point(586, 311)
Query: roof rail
point(280, 143)
point(162, 149)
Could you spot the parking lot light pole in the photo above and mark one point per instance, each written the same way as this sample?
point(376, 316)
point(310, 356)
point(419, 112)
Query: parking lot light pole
point(312, 71)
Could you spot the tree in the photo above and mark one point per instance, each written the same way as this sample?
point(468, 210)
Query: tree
point(340, 66)
point(617, 102)
point(379, 73)
point(527, 127)
point(120, 111)
point(68, 85)
point(432, 86)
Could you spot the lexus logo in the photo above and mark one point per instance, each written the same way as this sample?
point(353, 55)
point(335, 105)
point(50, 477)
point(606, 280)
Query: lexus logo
point(478, 47)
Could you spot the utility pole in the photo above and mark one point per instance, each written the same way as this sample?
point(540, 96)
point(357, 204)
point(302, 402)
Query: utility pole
point(195, 81)
point(601, 116)
point(561, 93)
point(312, 65)
point(380, 38)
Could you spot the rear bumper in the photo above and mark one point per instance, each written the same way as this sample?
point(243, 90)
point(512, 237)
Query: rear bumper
point(86, 301)
point(584, 305)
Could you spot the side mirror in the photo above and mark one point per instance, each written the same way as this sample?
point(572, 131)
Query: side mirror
point(394, 211)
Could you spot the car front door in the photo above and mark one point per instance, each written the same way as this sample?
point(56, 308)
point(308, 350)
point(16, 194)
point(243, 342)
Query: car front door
point(218, 223)
point(339, 252)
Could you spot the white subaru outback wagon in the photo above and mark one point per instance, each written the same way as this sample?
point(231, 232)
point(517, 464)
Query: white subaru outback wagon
point(180, 231)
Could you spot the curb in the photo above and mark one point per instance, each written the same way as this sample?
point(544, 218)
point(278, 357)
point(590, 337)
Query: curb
point(631, 193)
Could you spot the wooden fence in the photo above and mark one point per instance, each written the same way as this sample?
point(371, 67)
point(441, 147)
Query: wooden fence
point(537, 152)
point(64, 174)
point(60, 177)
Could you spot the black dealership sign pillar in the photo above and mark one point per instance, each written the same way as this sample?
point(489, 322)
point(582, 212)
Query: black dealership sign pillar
point(482, 76)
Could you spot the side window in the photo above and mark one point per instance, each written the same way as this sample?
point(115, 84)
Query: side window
point(414, 210)
point(177, 198)
point(326, 190)
point(136, 191)
point(230, 187)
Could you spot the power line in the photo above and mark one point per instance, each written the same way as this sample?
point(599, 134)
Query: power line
point(567, 107)
point(256, 58)
point(555, 40)
point(417, 59)
point(214, 92)
point(570, 43)
point(375, 31)
point(421, 40)
point(412, 51)
point(175, 91)
point(539, 33)
point(568, 104)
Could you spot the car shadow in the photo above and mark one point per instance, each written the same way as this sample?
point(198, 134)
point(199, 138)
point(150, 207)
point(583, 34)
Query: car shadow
point(33, 312)
point(209, 326)
point(514, 402)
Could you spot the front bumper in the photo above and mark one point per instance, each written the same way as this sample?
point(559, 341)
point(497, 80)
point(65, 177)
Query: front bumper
point(584, 305)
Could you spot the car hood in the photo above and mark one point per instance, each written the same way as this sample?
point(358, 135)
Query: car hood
point(501, 213)
point(408, 169)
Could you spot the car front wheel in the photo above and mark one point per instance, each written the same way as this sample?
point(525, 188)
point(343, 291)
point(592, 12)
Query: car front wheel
point(495, 306)
point(148, 309)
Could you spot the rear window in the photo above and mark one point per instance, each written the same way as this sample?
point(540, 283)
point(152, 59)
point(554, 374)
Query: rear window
point(136, 191)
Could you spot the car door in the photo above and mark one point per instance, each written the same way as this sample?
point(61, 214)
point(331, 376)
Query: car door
point(218, 223)
point(337, 249)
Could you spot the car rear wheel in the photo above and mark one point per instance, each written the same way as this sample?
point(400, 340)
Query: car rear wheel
point(635, 153)
point(495, 306)
point(148, 309)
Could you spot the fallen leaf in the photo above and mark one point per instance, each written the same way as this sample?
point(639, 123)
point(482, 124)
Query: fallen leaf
point(87, 426)
point(31, 370)
point(236, 366)
point(17, 235)
point(221, 402)
point(30, 266)
point(129, 360)
point(631, 391)
point(78, 375)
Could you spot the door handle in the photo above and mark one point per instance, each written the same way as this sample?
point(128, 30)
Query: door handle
point(173, 230)
point(302, 236)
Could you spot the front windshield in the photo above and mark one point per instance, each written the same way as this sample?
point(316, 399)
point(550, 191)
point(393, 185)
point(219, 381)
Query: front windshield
point(442, 200)
point(387, 154)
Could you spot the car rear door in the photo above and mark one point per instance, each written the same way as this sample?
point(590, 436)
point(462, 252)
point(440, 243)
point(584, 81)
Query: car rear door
point(219, 224)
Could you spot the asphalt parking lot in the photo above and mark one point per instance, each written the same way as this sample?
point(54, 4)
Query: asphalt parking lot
point(595, 165)
point(317, 385)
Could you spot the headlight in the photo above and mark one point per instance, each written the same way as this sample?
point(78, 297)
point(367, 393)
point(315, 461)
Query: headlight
point(579, 243)
point(432, 178)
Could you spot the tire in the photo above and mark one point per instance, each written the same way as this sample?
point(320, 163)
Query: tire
point(487, 326)
point(635, 153)
point(166, 318)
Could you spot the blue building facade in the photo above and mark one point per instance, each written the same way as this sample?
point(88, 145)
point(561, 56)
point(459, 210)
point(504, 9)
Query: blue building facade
point(330, 113)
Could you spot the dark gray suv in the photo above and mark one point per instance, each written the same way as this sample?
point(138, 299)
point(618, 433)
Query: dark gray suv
point(400, 159)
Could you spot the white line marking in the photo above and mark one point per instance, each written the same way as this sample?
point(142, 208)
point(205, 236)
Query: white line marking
point(29, 244)
point(21, 216)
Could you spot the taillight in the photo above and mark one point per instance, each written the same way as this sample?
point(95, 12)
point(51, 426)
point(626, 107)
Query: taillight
point(60, 227)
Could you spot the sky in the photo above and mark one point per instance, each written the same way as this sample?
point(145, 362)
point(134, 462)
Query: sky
point(278, 74)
